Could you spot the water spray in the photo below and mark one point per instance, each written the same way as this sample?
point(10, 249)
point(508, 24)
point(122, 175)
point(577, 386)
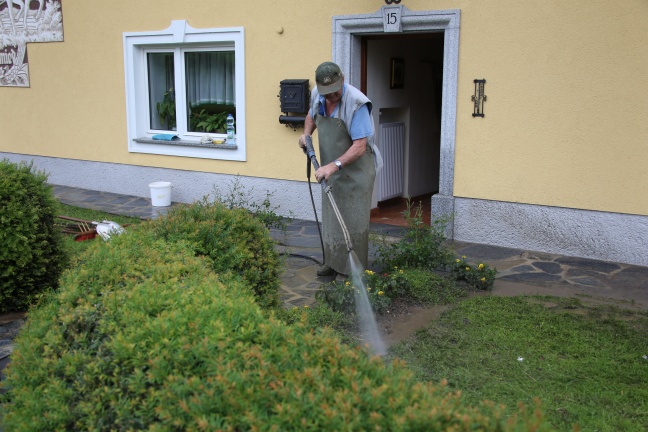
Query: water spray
point(363, 308)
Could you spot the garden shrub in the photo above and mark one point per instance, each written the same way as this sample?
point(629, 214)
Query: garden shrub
point(422, 245)
point(420, 285)
point(32, 255)
point(425, 247)
point(480, 276)
point(413, 284)
point(232, 239)
point(237, 196)
point(142, 335)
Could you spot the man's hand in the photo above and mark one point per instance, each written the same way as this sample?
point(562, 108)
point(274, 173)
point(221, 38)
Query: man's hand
point(302, 140)
point(324, 172)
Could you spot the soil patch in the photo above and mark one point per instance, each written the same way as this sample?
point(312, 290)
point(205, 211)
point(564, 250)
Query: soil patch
point(403, 319)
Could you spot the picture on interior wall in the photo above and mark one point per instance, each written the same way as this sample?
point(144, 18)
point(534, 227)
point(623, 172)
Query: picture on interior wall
point(397, 73)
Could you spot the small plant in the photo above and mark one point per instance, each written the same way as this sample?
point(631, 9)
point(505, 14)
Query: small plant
point(238, 197)
point(480, 276)
point(419, 285)
point(166, 110)
point(205, 121)
point(341, 296)
point(422, 246)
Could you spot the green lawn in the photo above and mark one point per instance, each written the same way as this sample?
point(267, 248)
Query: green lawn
point(76, 247)
point(586, 364)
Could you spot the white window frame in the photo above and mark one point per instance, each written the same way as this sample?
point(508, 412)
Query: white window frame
point(179, 36)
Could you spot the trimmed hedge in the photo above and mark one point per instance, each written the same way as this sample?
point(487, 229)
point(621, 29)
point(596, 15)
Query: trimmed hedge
point(32, 255)
point(233, 240)
point(143, 335)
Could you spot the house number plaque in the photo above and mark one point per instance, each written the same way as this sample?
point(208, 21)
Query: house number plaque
point(392, 19)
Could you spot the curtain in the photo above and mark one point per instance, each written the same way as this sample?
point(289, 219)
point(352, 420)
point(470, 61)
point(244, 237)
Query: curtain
point(161, 80)
point(210, 78)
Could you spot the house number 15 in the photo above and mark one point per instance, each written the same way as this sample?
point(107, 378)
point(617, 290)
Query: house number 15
point(392, 19)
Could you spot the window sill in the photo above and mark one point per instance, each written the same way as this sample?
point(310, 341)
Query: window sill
point(183, 143)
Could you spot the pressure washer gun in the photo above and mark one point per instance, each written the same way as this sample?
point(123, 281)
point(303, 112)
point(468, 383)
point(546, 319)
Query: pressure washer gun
point(310, 152)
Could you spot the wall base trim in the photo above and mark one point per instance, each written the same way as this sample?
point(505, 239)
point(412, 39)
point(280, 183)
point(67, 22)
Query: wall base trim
point(291, 197)
point(606, 236)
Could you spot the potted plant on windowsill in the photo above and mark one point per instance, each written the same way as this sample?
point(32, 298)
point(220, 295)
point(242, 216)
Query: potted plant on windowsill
point(166, 109)
point(205, 121)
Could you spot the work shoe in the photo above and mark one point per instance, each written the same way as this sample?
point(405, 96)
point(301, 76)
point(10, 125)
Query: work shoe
point(325, 271)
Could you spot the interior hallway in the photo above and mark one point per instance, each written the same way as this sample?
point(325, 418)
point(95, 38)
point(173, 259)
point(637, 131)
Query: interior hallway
point(391, 212)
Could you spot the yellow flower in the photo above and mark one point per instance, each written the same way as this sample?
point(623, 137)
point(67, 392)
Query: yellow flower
point(463, 256)
point(458, 260)
point(483, 279)
point(347, 283)
point(481, 266)
point(380, 293)
point(400, 271)
point(305, 306)
point(467, 268)
point(369, 272)
point(368, 289)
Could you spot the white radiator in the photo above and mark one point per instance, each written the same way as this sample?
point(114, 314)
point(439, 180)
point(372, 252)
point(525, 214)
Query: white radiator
point(392, 147)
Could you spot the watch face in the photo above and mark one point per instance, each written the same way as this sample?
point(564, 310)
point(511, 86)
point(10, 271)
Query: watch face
point(338, 164)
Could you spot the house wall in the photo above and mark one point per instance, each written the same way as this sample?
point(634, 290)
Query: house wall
point(564, 125)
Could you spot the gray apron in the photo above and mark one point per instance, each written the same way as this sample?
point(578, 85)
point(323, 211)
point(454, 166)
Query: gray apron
point(352, 188)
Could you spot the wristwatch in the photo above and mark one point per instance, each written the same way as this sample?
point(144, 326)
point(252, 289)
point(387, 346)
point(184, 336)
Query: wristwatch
point(338, 164)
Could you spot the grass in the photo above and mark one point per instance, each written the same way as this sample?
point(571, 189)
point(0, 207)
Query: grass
point(585, 364)
point(77, 247)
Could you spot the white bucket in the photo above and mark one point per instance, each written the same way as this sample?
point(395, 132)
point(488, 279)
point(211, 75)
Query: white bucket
point(160, 194)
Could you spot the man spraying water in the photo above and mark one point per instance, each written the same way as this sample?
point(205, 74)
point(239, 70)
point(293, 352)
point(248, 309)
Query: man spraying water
point(342, 116)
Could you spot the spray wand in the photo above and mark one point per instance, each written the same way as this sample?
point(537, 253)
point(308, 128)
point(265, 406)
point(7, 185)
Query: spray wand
point(310, 152)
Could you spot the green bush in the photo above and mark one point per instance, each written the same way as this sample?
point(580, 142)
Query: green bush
point(320, 315)
point(232, 239)
point(32, 256)
point(142, 335)
point(480, 276)
point(236, 196)
point(417, 285)
point(422, 246)
point(420, 285)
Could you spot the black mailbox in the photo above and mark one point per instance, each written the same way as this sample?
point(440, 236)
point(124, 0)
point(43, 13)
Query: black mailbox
point(294, 96)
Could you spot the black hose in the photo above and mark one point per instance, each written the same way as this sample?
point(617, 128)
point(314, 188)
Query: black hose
point(310, 189)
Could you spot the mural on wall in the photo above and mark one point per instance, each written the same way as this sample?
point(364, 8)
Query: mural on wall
point(22, 22)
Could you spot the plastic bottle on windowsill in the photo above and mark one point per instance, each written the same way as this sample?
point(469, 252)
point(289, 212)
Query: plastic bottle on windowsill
point(230, 129)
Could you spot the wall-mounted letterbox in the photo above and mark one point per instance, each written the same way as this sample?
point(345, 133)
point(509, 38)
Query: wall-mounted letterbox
point(294, 95)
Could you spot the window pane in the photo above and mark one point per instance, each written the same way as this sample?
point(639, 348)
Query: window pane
point(161, 94)
point(210, 90)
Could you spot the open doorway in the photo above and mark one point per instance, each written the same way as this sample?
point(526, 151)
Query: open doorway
point(347, 37)
point(402, 74)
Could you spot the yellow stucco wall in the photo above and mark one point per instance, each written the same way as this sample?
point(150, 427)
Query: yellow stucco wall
point(565, 121)
point(565, 124)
